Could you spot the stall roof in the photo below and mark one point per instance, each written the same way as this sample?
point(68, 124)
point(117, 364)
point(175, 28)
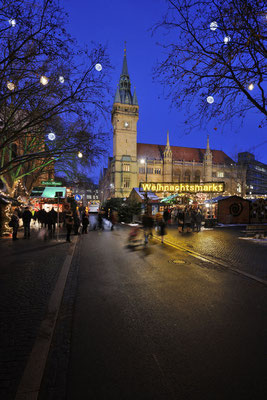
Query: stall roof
point(150, 195)
point(171, 197)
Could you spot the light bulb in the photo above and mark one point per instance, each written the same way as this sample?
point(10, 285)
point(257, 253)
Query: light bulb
point(61, 79)
point(213, 26)
point(210, 99)
point(10, 85)
point(98, 67)
point(80, 155)
point(44, 80)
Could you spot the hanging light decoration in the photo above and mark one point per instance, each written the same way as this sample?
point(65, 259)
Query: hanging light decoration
point(10, 85)
point(12, 22)
point(80, 155)
point(251, 86)
point(213, 26)
point(227, 39)
point(210, 99)
point(98, 67)
point(61, 79)
point(51, 136)
point(44, 80)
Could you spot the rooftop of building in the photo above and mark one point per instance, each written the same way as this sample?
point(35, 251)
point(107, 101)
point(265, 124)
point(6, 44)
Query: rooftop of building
point(189, 154)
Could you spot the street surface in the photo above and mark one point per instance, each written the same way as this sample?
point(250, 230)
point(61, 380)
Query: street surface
point(144, 323)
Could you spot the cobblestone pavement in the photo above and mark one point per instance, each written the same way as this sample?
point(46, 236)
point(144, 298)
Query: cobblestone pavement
point(226, 244)
point(28, 272)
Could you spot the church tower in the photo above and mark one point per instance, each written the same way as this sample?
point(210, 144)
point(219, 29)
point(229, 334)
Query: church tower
point(167, 162)
point(208, 163)
point(125, 114)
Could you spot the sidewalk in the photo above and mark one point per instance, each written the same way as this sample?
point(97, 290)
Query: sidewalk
point(225, 244)
point(29, 270)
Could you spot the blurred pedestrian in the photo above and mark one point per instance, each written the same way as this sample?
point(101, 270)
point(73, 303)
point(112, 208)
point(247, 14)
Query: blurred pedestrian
point(14, 223)
point(51, 222)
point(100, 221)
point(147, 222)
point(187, 220)
point(69, 224)
point(26, 218)
point(198, 220)
point(180, 217)
point(113, 219)
point(85, 222)
point(162, 228)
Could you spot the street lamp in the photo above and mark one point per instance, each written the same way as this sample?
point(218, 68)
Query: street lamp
point(144, 161)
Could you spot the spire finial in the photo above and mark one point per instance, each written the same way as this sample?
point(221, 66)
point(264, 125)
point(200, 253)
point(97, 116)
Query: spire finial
point(168, 140)
point(125, 47)
point(208, 142)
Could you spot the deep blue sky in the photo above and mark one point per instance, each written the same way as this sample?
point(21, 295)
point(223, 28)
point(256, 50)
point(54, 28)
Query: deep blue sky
point(112, 22)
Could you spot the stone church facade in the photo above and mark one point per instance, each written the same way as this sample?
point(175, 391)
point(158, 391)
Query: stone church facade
point(134, 162)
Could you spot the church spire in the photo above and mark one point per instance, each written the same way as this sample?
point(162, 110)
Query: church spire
point(135, 102)
point(167, 151)
point(124, 95)
point(208, 144)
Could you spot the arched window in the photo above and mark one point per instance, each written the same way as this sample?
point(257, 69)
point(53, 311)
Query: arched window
point(177, 175)
point(197, 176)
point(187, 176)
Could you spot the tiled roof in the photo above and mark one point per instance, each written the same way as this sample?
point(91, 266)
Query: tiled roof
point(155, 152)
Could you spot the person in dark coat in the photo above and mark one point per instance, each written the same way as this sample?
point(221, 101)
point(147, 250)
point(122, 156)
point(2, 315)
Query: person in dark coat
point(51, 222)
point(14, 223)
point(198, 220)
point(69, 224)
point(162, 228)
point(147, 222)
point(85, 222)
point(26, 218)
point(180, 217)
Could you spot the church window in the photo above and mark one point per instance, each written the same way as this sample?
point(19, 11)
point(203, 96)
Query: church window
point(126, 182)
point(126, 167)
point(157, 171)
point(141, 170)
point(220, 174)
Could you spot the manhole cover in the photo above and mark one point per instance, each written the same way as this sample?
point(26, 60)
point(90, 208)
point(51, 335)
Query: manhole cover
point(178, 261)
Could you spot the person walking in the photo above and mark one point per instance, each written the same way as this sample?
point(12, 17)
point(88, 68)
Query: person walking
point(187, 220)
point(162, 229)
point(180, 217)
point(85, 222)
point(26, 218)
point(14, 223)
point(69, 224)
point(51, 222)
point(198, 220)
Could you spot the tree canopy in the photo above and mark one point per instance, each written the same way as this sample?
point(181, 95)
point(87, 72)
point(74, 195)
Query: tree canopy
point(48, 84)
point(215, 59)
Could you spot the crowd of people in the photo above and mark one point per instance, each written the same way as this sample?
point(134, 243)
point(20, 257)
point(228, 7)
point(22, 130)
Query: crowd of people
point(77, 221)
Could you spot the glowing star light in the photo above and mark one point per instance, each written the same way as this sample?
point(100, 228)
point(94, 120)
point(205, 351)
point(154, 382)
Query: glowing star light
point(210, 99)
point(44, 80)
point(51, 136)
point(61, 79)
point(227, 39)
point(12, 22)
point(251, 86)
point(11, 85)
point(98, 67)
point(80, 155)
point(213, 26)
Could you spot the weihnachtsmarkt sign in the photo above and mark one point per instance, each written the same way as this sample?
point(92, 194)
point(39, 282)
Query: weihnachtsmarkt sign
point(184, 187)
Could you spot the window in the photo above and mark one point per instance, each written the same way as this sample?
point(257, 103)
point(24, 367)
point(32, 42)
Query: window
point(157, 171)
point(141, 170)
point(126, 167)
point(126, 182)
point(197, 176)
point(88, 196)
point(220, 174)
point(150, 170)
point(187, 176)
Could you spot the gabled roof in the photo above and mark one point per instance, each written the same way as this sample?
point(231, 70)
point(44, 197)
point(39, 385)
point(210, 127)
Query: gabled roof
point(155, 152)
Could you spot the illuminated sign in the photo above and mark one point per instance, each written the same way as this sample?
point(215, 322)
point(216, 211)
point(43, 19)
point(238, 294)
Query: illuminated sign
point(51, 183)
point(184, 187)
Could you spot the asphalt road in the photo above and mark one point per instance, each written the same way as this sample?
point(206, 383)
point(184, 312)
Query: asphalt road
point(160, 324)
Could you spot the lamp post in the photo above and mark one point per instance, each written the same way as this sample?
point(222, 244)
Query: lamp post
point(144, 161)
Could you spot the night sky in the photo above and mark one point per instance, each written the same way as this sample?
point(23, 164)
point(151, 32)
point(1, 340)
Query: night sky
point(116, 21)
